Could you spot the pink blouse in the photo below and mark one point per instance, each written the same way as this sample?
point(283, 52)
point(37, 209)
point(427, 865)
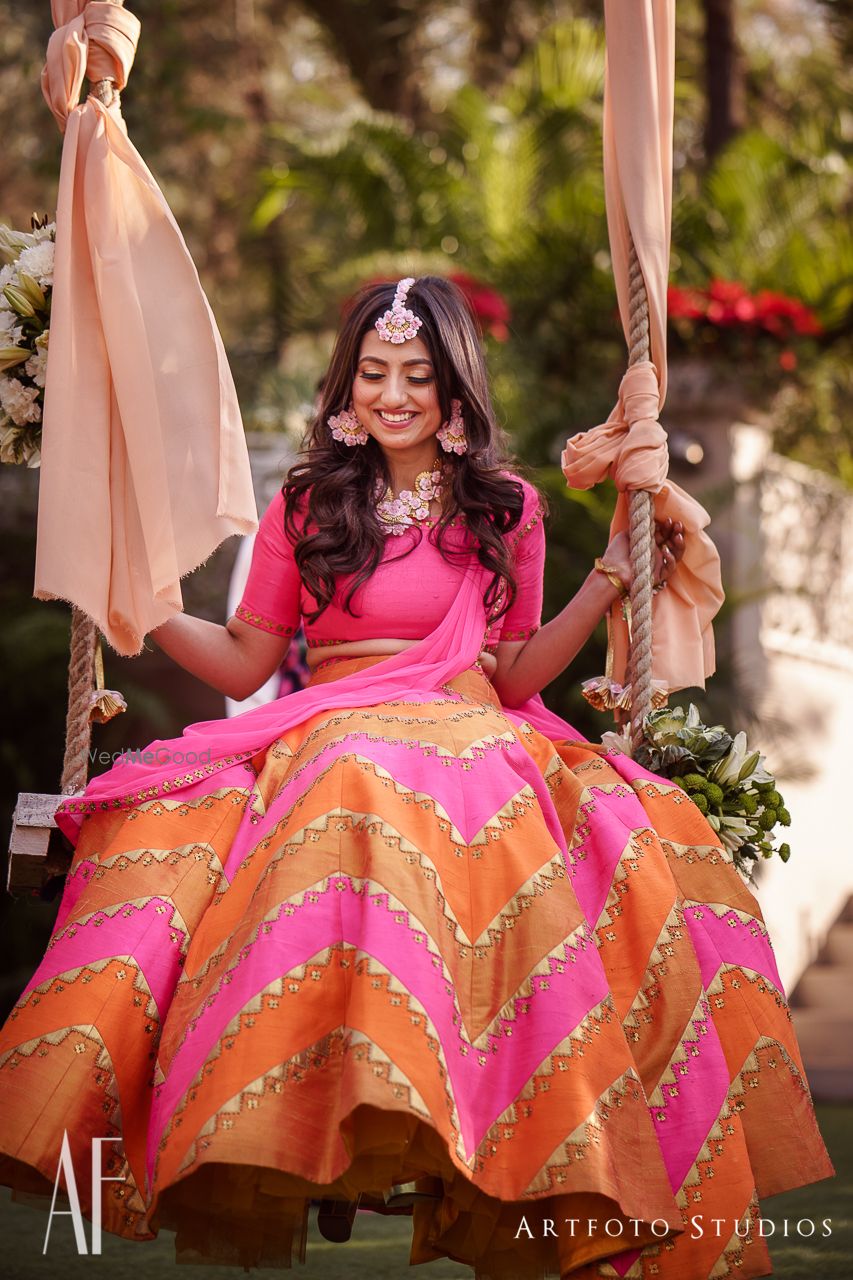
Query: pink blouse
point(404, 599)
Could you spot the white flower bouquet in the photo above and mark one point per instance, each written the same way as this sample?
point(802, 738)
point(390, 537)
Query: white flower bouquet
point(726, 781)
point(26, 281)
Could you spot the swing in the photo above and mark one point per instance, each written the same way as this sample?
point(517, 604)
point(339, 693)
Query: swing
point(39, 856)
point(646, 942)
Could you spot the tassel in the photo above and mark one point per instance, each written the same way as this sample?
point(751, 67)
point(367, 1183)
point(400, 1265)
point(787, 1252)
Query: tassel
point(608, 695)
point(103, 703)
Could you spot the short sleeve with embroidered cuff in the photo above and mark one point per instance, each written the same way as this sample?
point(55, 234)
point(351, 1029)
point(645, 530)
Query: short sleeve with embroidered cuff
point(524, 616)
point(271, 599)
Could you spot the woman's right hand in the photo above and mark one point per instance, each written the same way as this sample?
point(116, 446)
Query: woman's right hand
point(669, 548)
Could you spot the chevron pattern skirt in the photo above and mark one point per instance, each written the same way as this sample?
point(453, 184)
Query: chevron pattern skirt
point(417, 945)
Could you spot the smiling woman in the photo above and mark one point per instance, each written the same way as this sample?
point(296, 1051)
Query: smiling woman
point(394, 395)
point(405, 939)
point(400, 403)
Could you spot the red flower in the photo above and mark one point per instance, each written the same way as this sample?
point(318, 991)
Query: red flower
point(788, 360)
point(777, 312)
point(490, 308)
point(727, 304)
point(726, 291)
point(744, 310)
point(806, 322)
point(685, 304)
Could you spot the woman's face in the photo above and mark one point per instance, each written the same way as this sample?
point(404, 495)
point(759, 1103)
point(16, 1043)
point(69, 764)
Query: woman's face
point(394, 393)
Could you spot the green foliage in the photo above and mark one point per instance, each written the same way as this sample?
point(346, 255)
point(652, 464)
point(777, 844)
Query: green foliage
point(506, 187)
point(811, 416)
point(774, 213)
point(291, 190)
point(728, 783)
point(768, 216)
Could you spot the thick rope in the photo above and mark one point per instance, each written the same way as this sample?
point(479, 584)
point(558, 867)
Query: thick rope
point(78, 726)
point(105, 91)
point(640, 527)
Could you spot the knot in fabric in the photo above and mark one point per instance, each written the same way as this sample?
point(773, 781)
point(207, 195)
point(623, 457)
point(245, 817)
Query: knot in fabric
point(630, 446)
point(94, 39)
point(643, 460)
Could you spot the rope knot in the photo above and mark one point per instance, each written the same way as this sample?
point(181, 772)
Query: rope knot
point(630, 446)
point(643, 459)
point(94, 39)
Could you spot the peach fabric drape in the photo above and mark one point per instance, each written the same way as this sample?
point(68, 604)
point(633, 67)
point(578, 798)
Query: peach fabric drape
point(631, 445)
point(145, 468)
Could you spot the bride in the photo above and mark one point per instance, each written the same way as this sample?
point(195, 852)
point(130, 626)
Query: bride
point(403, 938)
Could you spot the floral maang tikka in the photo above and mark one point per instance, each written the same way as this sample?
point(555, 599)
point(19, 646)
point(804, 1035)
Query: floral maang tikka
point(400, 323)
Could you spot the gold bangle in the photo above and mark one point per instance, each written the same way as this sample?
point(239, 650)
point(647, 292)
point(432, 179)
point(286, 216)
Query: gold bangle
point(612, 577)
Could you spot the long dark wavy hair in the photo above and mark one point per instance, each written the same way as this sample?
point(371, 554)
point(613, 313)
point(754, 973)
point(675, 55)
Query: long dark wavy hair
point(339, 531)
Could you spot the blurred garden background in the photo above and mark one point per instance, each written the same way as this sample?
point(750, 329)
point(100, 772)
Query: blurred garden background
point(306, 146)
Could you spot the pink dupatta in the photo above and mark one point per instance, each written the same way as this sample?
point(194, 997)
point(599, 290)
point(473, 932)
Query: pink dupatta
point(451, 648)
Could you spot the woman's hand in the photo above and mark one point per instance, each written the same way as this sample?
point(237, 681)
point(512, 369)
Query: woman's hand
point(669, 548)
point(526, 668)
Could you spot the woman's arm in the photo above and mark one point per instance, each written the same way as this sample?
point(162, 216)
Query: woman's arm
point(526, 667)
point(235, 659)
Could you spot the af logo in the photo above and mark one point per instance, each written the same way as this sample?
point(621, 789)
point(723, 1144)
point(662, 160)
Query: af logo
point(66, 1166)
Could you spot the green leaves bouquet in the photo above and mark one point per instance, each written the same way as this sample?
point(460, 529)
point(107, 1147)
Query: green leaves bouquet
point(726, 781)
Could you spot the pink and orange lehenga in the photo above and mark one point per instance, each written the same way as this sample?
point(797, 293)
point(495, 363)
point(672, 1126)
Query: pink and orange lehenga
point(385, 931)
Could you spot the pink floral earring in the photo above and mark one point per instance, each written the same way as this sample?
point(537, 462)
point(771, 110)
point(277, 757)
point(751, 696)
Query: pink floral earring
point(452, 434)
point(346, 427)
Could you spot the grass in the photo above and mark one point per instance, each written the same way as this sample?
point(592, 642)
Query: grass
point(379, 1248)
point(818, 1258)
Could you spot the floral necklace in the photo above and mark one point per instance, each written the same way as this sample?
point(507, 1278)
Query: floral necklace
point(410, 505)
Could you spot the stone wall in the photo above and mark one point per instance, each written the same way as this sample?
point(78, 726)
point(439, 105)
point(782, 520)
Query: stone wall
point(785, 534)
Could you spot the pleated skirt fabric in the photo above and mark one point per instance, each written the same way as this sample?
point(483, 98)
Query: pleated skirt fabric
point(417, 943)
